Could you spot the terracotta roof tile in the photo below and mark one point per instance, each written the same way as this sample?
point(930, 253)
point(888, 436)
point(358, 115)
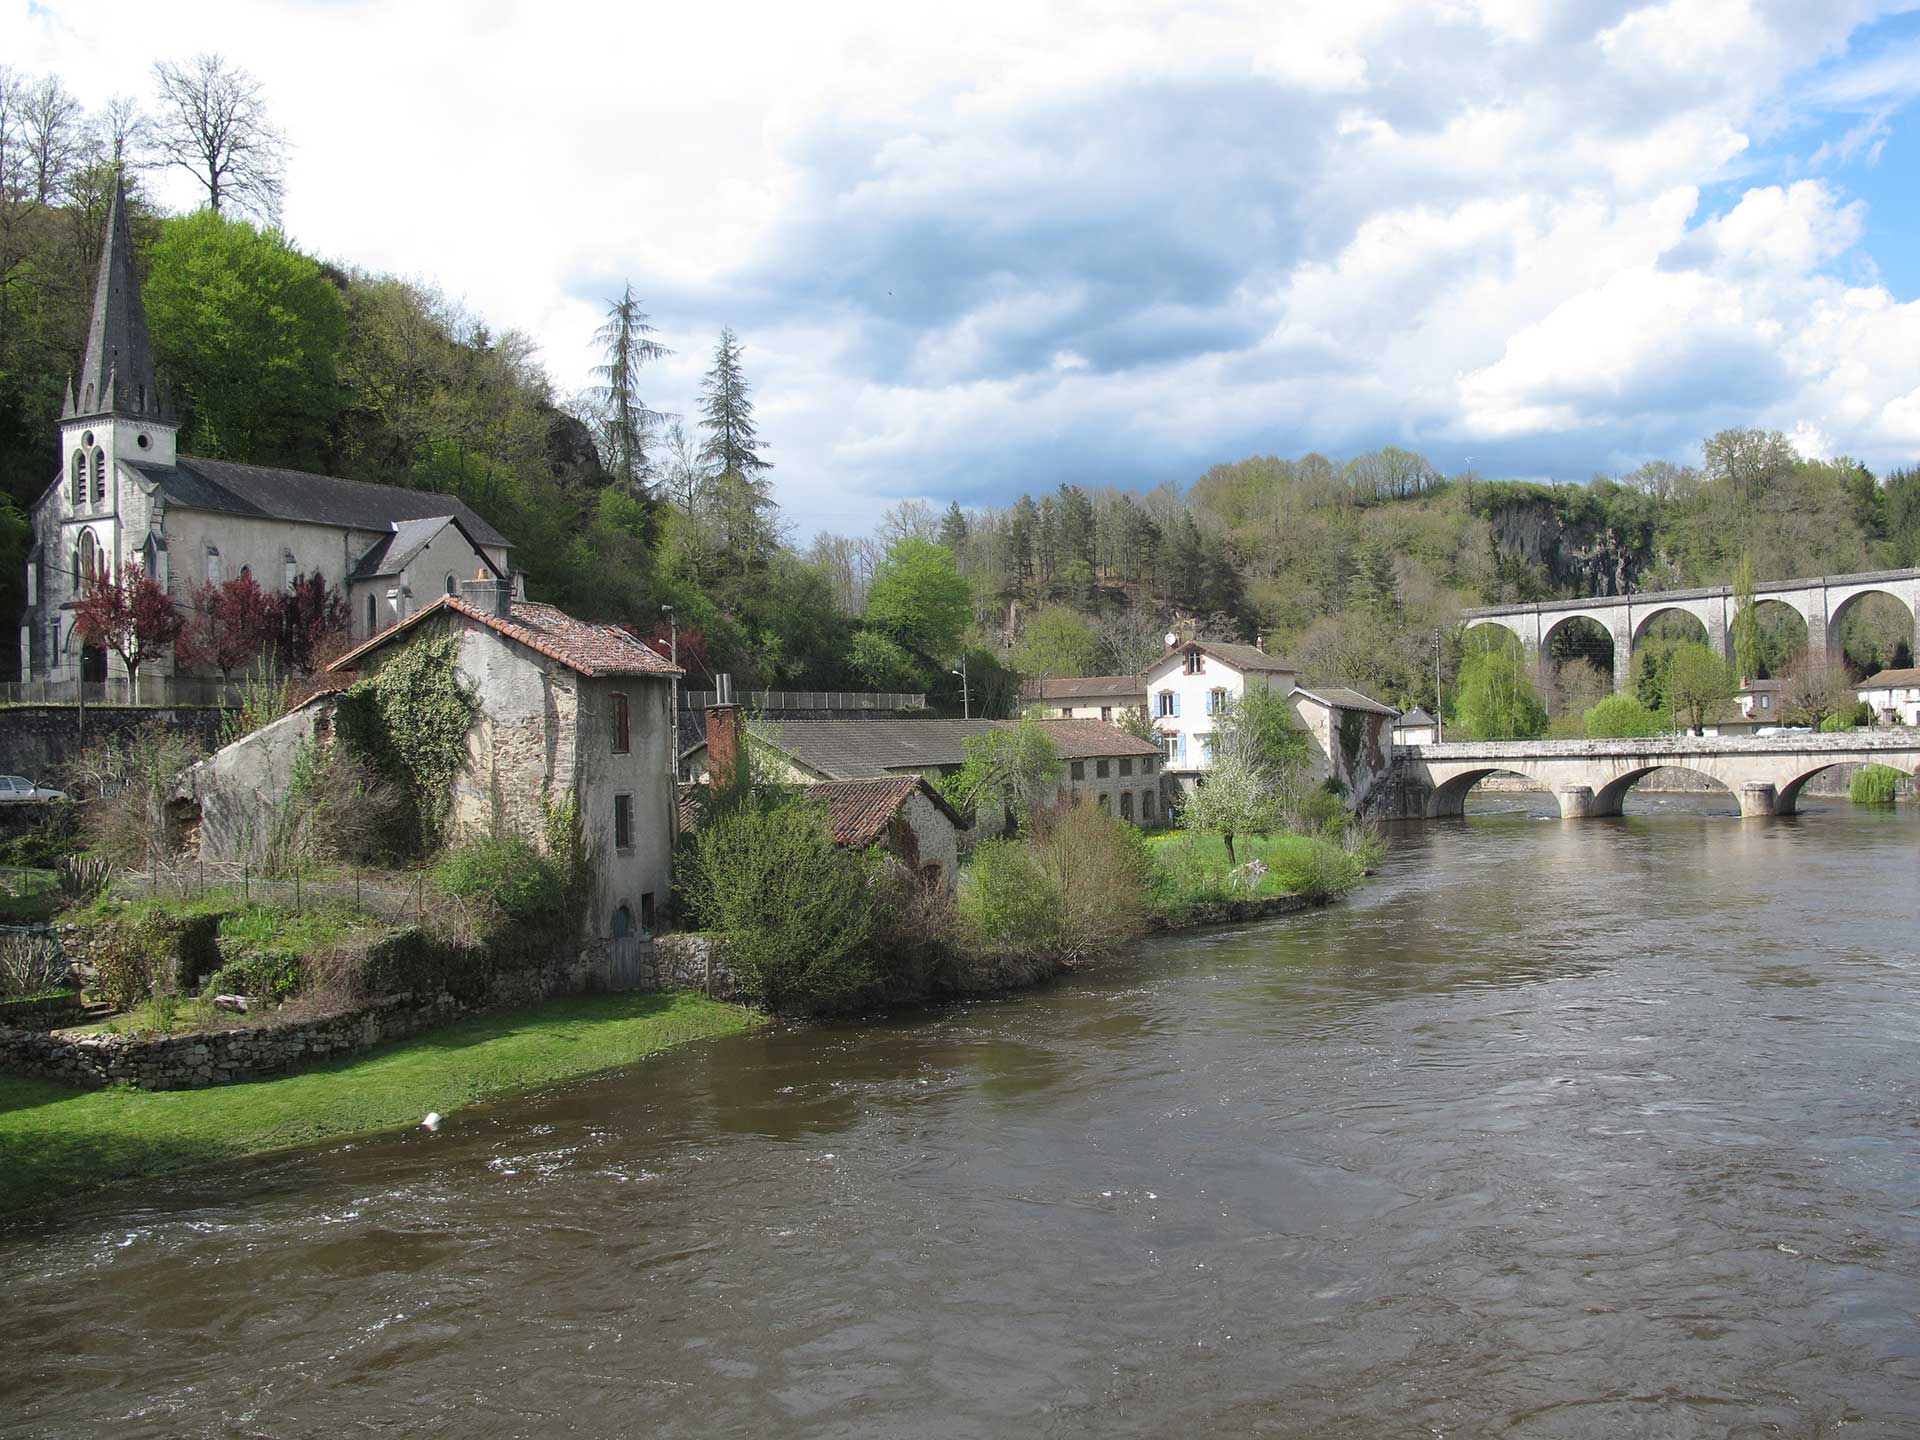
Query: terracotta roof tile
point(591, 649)
point(858, 811)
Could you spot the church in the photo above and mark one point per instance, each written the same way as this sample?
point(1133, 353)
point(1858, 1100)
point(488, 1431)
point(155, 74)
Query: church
point(125, 493)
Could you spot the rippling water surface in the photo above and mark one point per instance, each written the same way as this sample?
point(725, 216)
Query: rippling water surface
point(1555, 1130)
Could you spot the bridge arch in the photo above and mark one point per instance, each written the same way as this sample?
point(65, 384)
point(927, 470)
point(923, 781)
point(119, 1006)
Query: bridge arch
point(1449, 797)
point(1672, 619)
point(1849, 603)
point(1787, 796)
point(1574, 639)
point(1611, 798)
point(1480, 621)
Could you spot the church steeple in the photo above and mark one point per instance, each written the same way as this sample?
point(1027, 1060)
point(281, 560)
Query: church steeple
point(117, 376)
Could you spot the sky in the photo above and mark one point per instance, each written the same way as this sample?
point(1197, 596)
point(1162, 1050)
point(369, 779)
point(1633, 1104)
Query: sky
point(984, 249)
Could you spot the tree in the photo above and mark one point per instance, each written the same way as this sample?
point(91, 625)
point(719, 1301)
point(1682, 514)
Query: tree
point(1236, 797)
point(626, 424)
point(1493, 697)
point(1057, 641)
point(881, 663)
point(131, 616)
point(313, 620)
point(1746, 620)
point(919, 598)
point(1011, 768)
point(251, 331)
point(1698, 682)
point(732, 444)
point(227, 625)
point(1810, 693)
point(1621, 717)
point(953, 530)
point(54, 137)
point(213, 124)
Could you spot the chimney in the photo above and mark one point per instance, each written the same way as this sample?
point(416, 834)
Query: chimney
point(1260, 641)
point(495, 597)
point(723, 736)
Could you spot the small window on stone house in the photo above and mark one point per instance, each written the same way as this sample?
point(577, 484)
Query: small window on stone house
point(1079, 770)
point(1146, 764)
point(1126, 805)
point(1126, 765)
point(1146, 804)
point(623, 822)
point(646, 914)
point(1101, 800)
point(1106, 713)
point(622, 736)
point(1101, 769)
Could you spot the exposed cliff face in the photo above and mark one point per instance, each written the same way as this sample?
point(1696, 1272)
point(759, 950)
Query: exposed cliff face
point(1579, 556)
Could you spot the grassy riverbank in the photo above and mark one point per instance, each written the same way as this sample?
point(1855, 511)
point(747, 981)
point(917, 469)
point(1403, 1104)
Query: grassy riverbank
point(55, 1142)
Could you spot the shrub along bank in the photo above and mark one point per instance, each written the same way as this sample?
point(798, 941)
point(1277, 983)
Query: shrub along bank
point(58, 1142)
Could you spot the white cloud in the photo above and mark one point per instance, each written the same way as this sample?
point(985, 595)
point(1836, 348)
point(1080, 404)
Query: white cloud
point(973, 248)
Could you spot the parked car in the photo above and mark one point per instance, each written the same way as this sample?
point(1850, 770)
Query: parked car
point(18, 787)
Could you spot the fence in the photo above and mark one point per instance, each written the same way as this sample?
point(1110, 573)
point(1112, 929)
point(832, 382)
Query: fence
point(158, 691)
point(379, 894)
point(809, 700)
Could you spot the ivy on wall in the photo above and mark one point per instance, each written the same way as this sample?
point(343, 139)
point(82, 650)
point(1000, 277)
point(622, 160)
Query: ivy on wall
point(411, 718)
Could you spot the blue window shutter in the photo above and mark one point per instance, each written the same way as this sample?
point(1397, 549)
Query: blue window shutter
point(1176, 704)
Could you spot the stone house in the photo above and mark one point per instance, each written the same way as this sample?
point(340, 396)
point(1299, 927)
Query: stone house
point(1351, 736)
point(1090, 697)
point(125, 493)
point(566, 710)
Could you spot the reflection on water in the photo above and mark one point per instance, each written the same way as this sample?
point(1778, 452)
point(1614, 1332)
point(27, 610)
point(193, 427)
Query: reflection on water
point(1555, 1130)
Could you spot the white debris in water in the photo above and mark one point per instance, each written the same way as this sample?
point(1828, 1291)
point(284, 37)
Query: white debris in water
point(432, 1122)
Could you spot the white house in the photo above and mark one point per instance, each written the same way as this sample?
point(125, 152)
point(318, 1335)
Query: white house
point(1089, 697)
point(1894, 696)
point(1416, 727)
point(1759, 700)
point(125, 493)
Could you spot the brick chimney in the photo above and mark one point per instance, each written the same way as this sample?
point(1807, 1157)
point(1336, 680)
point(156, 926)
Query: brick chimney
point(723, 736)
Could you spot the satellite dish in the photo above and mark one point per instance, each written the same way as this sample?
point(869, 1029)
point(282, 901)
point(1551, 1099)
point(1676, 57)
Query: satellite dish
point(1173, 638)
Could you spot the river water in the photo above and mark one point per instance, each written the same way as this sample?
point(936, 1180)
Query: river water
point(1594, 1129)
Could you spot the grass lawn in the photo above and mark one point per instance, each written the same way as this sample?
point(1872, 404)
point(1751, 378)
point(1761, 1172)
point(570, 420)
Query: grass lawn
point(55, 1141)
point(1195, 865)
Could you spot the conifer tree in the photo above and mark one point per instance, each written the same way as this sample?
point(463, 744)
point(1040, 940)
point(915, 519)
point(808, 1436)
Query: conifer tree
point(732, 443)
point(626, 423)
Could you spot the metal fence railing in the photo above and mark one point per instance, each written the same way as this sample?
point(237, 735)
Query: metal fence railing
point(809, 700)
point(378, 894)
point(158, 691)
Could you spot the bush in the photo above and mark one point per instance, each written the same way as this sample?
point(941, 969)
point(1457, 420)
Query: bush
point(1622, 717)
point(131, 779)
point(1874, 785)
point(29, 965)
point(1100, 875)
point(507, 872)
point(799, 914)
point(1007, 902)
point(338, 806)
point(272, 975)
point(43, 848)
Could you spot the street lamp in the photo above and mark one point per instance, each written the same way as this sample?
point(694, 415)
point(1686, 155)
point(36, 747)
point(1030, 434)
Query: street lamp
point(966, 703)
point(673, 713)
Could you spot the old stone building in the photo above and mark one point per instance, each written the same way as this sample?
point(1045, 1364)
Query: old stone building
point(125, 493)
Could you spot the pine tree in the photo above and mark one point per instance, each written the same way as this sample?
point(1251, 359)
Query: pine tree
point(727, 414)
point(953, 531)
point(626, 423)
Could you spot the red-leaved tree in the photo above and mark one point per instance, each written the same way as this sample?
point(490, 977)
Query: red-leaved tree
point(226, 626)
point(131, 616)
point(313, 617)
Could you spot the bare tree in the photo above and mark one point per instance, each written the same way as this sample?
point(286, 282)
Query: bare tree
point(1812, 692)
point(121, 132)
point(54, 138)
point(213, 124)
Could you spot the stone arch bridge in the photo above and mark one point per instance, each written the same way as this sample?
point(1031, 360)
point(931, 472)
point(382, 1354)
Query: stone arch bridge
point(1591, 777)
point(1822, 603)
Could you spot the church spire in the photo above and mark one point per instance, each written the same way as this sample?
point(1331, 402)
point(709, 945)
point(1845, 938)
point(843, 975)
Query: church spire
point(117, 376)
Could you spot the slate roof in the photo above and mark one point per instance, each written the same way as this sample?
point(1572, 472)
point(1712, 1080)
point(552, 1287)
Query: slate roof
point(265, 493)
point(1414, 719)
point(116, 377)
point(855, 749)
point(859, 811)
point(1247, 659)
point(1887, 679)
point(1341, 698)
point(1091, 687)
point(1755, 687)
point(592, 650)
point(395, 550)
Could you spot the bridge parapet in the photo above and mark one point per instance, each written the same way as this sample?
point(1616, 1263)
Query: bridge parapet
point(1894, 738)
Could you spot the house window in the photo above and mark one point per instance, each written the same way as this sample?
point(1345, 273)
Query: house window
point(1066, 712)
point(1172, 742)
point(1169, 704)
point(1126, 765)
point(1106, 713)
point(79, 491)
point(1079, 770)
point(214, 573)
point(1101, 801)
point(1146, 764)
point(646, 913)
point(621, 736)
point(1766, 702)
point(623, 822)
point(1216, 701)
point(1126, 805)
point(1206, 748)
point(1195, 664)
point(246, 572)
point(1100, 769)
point(291, 570)
point(453, 586)
point(622, 923)
point(99, 476)
point(1146, 804)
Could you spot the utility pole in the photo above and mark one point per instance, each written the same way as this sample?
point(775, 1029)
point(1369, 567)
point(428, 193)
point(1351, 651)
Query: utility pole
point(966, 702)
point(1439, 707)
point(673, 716)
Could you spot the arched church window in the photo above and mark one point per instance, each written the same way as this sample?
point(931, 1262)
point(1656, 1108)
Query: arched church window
point(214, 573)
point(370, 615)
point(246, 572)
point(453, 586)
point(89, 555)
point(79, 488)
point(292, 570)
point(99, 476)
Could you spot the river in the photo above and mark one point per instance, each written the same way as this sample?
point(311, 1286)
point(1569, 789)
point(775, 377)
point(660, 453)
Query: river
point(1594, 1129)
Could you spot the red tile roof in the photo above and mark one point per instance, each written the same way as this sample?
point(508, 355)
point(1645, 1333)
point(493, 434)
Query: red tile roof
point(593, 650)
point(859, 811)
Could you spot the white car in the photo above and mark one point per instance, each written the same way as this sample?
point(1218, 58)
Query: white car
point(18, 787)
